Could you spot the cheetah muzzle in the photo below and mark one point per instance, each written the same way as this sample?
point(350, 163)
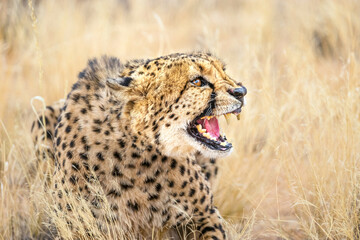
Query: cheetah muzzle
point(206, 130)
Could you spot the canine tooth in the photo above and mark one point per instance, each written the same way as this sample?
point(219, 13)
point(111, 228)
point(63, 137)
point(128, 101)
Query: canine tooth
point(223, 144)
point(213, 138)
point(227, 117)
point(238, 116)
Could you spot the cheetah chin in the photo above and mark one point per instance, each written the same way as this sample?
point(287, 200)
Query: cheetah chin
point(206, 131)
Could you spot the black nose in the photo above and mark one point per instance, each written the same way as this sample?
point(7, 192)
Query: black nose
point(239, 92)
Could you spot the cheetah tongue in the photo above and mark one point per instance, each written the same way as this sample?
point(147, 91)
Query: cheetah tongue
point(212, 126)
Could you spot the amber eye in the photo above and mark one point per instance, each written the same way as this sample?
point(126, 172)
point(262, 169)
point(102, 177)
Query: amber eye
point(198, 82)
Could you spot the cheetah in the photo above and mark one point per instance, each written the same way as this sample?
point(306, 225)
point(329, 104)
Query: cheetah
point(146, 133)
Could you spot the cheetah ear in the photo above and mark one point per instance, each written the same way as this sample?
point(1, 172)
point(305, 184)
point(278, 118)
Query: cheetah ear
point(118, 83)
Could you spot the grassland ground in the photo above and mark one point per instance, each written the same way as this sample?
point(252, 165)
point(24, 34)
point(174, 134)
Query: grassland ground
point(295, 170)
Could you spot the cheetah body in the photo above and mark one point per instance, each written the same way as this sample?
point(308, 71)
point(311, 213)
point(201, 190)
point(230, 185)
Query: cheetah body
point(122, 134)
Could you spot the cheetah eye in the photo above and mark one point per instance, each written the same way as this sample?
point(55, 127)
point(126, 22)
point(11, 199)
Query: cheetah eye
point(199, 82)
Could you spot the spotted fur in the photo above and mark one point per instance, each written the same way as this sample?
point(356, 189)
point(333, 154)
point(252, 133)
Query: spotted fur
point(123, 127)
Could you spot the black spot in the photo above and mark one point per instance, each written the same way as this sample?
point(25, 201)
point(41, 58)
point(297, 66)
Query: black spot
point(58, 141)
point(153, 158)
point(208, 175)
point(75, 166)
point(114, 192)
point(68, 207)
point(84, 156)
point(76, 97)
point(96, 167)
point(171, 184)
point(68, 129)
point(72, 143)
point(154, 209)
point(116, 172)
point(133, 205)
point(164, 159)
point(73, 179)
point(182, 170)
point(107, 133)
point(100, 156)
point(83, 111)
point(121, 143)
point(146, 164)
point(50, 108)
point(126, 186)
point(69, 154)
point(208, 229)
point(184, 184)
point(192, 192)
point(158, 187)
point(149, 148)
point(131, 166)
point(96, 129)
point(149, 180)
point(117, 156)
point(173, 163)
point(202, 200)
point(135, 155)
point(68, 115)
point(97, 121)
point(153, 197)
point(48, 134)
point(126, 81)
point(86, 165)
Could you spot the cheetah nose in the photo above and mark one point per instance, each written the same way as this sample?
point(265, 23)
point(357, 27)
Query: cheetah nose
point(238, 92)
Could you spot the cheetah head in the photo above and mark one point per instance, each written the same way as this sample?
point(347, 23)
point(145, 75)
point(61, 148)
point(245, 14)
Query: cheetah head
point(176, 101)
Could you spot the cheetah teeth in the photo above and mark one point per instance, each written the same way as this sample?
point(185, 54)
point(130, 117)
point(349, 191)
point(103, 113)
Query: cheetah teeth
point(200, 129)
point(205, 133)
point(227, 116)
point(207, 117)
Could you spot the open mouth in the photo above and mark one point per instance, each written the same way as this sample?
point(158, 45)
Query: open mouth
point(206, 130)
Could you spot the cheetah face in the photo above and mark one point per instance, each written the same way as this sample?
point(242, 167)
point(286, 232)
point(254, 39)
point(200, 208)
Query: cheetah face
point(175, 102)
point(204, 129)
point(207, 93)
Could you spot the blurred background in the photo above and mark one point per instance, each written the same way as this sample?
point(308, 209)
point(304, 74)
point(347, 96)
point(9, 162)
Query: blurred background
point(294, 173)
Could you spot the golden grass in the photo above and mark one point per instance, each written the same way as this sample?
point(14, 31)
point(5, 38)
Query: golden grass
point(295, 170)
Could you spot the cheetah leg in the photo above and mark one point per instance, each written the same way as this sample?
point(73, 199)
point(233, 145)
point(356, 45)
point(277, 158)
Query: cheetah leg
point(193, 198)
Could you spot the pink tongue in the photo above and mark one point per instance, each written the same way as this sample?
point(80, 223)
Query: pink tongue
point(212, 127)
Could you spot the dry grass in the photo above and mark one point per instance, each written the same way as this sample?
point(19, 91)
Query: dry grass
point(295, 170)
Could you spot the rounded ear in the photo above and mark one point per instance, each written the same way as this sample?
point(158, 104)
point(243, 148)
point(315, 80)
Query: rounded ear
point(118, 83)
